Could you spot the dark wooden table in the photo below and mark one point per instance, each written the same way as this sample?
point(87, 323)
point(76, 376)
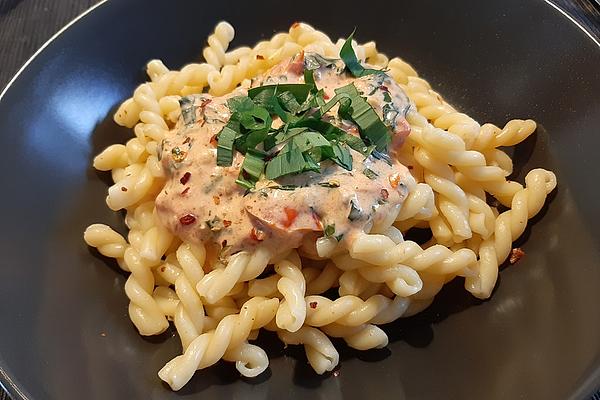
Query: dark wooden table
point(26, 24)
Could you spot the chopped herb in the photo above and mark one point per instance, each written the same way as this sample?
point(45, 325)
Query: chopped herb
point(178, 154)
point(225, 142)
point(382, 156)
point(355, 211)
point(329, 230)
point(372, 129)
point(349, 57)
point(289, 161)
point(330, 184)
point(390, 114)
point(369, 173)
point(386, 96)
point(215, 224)
point(188, 110)
point(284, 187)
point(252, 168)
point(342, 155)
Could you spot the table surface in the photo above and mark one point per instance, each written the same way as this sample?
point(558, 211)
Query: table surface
point(26, 24)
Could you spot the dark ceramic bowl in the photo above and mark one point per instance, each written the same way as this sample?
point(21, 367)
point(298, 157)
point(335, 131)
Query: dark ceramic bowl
point(65, 333)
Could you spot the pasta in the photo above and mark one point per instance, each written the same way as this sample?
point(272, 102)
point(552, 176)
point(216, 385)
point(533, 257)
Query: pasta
point(302, 271)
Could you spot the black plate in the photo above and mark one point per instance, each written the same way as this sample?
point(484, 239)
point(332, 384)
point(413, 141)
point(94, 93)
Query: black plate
point(539, 335)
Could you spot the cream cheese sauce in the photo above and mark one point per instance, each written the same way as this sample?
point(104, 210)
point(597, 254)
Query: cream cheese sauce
point(202, 203)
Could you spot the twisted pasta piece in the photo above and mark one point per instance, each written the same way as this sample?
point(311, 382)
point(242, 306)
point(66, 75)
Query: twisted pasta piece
point(210, 347)
point(108, 242)
point(362, 337)
point(250, 360)
point(144, 312)
point(189, 315)
point(321, 280)
point(353, 311)
point(132, 188)
point(216, 52)
point(241, 267)
point(292, 310)
point(320, 352)
point(382, 251)
point(509, 226)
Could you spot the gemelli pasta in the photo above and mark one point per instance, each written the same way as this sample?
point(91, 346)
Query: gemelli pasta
point(272, 188)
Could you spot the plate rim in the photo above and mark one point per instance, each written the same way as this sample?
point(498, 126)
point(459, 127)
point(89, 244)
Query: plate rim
point(10, 384)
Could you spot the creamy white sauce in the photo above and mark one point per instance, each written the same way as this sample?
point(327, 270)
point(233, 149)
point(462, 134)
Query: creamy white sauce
point(202, 203)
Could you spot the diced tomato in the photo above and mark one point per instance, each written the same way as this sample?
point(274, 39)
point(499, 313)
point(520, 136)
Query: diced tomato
point(296, 66)
point(291, 215)
point(394, 180)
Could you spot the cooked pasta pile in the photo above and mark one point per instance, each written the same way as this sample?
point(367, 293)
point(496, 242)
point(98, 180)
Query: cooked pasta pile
point(218, 309)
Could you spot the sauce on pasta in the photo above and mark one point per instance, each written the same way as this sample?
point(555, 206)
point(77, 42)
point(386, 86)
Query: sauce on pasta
point(201, 201)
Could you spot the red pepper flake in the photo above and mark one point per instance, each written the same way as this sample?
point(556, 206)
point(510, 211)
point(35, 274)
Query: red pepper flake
point(205, 102)
point(384, 194)
point(290, 215)
point(187, 189)
point(394, 180)
point(187, 140)
point(226, 223)
point(317, 220)
point(384, 88)
point(260, 57)
point(224, 243)
point(163, 268)
point(409, 167)
point(325, 96)
point(123, 189)
point(515, 255)
point(187, 219)
point(257, 234)
point(213, 140)
point(313, 304)
point(295, 25)
point(216, 200)
point(185, 178)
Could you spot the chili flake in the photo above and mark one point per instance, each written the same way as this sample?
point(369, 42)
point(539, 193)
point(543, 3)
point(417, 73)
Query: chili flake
point(226, 223)
point(260, 57)
point(216, 200)
point(313, 304)
point(295, 25)
point(185, 178)
point(515, 255)
point(187, 219)
point(257, 234)
point(384, 194)
point(123, 189)
point(184, 192)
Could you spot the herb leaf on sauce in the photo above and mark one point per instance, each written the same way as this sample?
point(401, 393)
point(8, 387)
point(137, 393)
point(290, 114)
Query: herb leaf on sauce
point(349, 57)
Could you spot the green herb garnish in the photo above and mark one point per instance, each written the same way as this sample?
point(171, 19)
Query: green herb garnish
point(355, 211)
point(369, 173)
point(372, 129)
point(329, 230)
point(349, 57)
point(188, 110)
